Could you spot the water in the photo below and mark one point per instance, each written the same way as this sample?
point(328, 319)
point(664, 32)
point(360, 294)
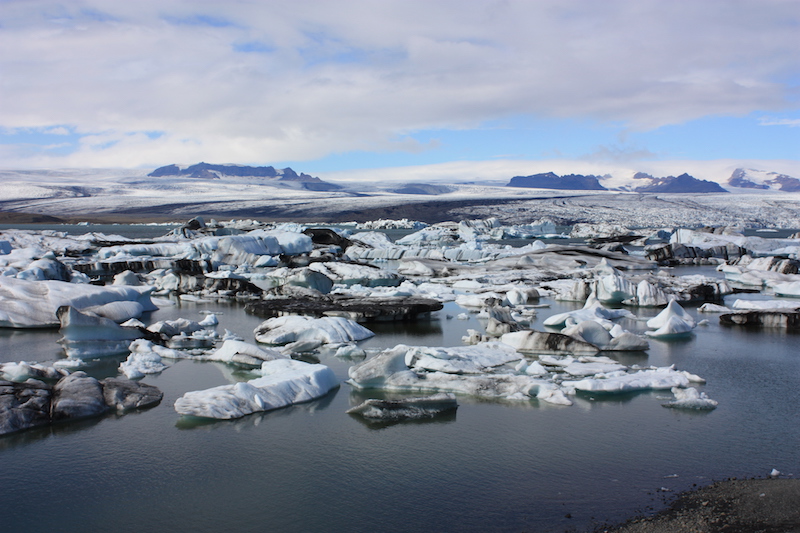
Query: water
point(494, 466)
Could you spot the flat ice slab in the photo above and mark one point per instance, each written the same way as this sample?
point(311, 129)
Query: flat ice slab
point(284, 382)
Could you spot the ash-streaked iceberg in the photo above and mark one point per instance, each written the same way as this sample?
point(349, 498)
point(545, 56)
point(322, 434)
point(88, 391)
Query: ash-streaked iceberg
point(407, 408)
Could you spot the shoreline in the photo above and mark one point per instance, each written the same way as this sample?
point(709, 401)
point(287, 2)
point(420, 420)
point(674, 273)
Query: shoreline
point(734, 506)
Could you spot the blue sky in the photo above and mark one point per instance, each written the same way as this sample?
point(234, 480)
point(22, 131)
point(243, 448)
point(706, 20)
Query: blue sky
point(357, 84)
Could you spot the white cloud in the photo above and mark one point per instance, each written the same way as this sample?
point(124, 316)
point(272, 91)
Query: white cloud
point(791, 122)
point(257, 82)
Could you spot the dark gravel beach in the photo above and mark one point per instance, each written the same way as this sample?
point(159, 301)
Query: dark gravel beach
point(732, 506)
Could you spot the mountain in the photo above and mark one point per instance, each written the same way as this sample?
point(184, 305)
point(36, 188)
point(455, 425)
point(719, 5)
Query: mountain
point(748, 178)
point(209, 171)
point(550, 180)
point(675, 184)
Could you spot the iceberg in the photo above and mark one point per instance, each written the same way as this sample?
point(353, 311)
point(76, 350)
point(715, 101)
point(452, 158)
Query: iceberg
point(690, 398)
point(407, 408)
point(672, 311)
point(326, 330)
point(33, 304)
point(283, 382)
point(388, 371)
point(648, 379)
point(138, 364)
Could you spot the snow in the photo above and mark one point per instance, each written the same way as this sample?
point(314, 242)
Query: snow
point(283, 382)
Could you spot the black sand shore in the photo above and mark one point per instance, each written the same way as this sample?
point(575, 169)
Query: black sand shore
point(731, 506)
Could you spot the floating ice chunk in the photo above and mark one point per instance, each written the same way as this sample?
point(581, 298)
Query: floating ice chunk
point(117, 311)
point(592, 310)
point(477, 300)
point(137, 365)
point(388, 371)
point(713, 308)
point(209, 321)
point(144, 346)
point(127, 278)
point(764, 305)
point(90, 336)
point(21, 371)
point(407, 408)
point(690, 398)
point(284, 382)
point(170, 328)
point(350, 351)
point(233, 351)
point(579, 369)
point(531, 368)
point(546, 342)
point(27, 304)
point(790, 289)
point(476, 359)
point(613, 287)
point(356, 274)
point(373, 239)
point(673, 309)
point(330, 330)
point(674, 326)
point(650, 379)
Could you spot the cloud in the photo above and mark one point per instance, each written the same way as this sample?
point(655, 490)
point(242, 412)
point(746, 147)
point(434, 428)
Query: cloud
point(257, 82)
point(791, 122)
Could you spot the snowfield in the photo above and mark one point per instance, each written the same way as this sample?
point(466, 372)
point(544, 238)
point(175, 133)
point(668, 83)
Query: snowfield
point(130, 195)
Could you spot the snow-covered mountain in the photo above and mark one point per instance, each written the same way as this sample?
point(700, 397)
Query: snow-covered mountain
point(210, 171)
point(640, 182)
point(748, 178)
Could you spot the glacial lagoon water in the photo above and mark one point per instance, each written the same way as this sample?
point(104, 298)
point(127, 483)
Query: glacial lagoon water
point(493, 466)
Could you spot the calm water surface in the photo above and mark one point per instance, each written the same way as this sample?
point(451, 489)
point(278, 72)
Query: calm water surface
point(494, 466)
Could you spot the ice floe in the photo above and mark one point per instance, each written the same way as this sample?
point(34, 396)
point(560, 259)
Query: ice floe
point(283, 382)
point(407, 408)
point(31, 304)
point(325, 330)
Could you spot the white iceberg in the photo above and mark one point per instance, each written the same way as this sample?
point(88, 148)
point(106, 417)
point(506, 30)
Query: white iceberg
point(138, 364)
point(283, 382)
point(326, 330)
point(476, 359)
point(690, 398)
point(33, 304)
point(388, 371)
point(649, 379)
point(672, 311)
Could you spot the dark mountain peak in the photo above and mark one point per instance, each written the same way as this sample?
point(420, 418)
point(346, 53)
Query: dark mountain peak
point(204, 170)
point(550, 180)
point(684, 183)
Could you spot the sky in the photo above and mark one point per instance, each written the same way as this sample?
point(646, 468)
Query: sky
point(348, 87)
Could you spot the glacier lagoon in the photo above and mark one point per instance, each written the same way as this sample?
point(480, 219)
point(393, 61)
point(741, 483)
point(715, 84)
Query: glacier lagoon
point(495, 465)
